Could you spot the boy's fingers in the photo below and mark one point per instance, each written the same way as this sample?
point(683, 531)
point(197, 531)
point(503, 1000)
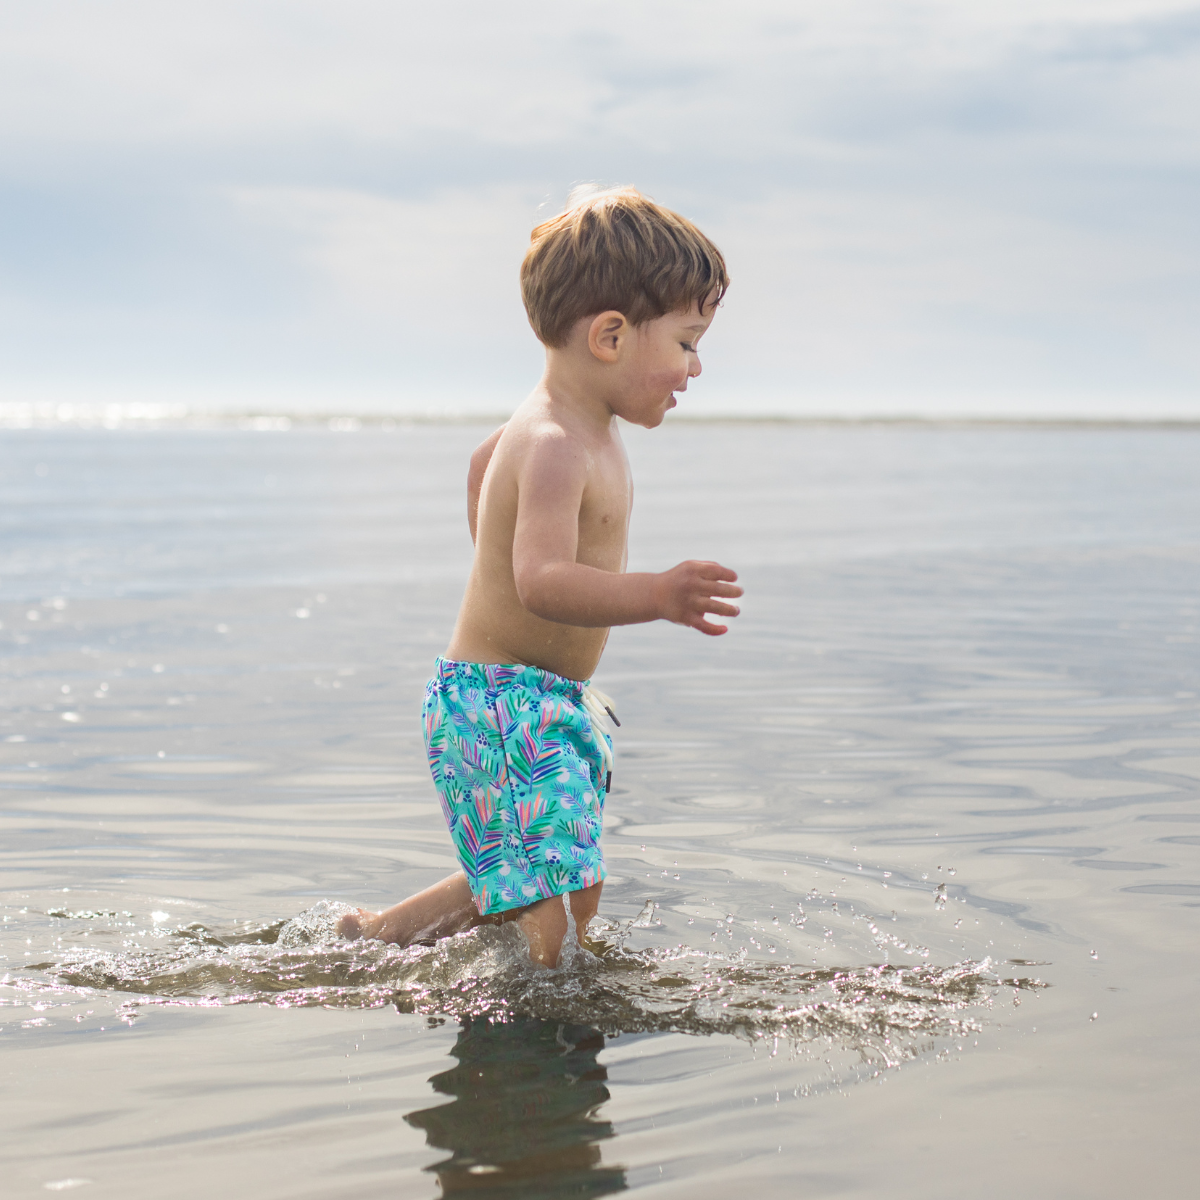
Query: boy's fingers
point(725, 589)
point(716, 571)
point(709, 628)
point(721, 608)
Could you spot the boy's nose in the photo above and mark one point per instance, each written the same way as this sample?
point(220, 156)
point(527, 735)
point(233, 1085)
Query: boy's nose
point(695, 368)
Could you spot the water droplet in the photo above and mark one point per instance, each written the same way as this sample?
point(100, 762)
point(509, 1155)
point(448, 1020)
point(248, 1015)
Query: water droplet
point(303, 613)
point(1095, 955)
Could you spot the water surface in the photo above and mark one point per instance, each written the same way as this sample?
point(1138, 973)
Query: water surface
point(903, 889)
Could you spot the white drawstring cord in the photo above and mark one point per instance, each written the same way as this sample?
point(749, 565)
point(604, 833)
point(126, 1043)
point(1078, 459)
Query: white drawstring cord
point(600, 711)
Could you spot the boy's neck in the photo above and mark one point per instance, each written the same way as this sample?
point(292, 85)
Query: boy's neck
point(572, 383)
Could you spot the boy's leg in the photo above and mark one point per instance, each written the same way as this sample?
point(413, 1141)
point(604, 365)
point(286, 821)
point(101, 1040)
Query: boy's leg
point(439, 911)
point(448, 908)
point(544, 924)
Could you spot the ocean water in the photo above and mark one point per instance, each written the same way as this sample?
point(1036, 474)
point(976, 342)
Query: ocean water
point(903, 899)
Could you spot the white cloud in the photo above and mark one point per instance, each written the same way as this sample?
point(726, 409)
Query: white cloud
point(948, 203)
point(429, 262)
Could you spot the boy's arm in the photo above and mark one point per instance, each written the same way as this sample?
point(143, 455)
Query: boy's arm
point(475, 473)
point(552, 585)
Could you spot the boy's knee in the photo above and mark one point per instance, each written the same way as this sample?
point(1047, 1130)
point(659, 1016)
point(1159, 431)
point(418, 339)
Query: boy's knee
point(585, 903)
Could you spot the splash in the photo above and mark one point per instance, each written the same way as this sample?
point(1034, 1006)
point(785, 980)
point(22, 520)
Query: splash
point(886, 1012)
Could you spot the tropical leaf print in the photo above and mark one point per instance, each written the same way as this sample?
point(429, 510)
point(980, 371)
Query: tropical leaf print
point(518, 774)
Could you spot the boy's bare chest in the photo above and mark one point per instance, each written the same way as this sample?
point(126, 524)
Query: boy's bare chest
point(604, 514)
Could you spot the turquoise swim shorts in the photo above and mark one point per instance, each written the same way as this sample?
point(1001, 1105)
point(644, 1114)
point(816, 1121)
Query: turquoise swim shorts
point(519, 766)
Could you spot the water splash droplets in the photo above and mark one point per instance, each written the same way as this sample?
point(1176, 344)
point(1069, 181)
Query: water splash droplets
point(886, 1013)
point(315, 926)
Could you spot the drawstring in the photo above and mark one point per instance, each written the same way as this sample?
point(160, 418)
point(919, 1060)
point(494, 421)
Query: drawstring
point(600, 711)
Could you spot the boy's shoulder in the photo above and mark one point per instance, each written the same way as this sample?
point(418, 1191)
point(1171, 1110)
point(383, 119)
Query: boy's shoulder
point(539, 434)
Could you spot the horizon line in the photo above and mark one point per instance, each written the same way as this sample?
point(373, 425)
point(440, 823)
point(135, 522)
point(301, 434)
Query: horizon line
point(43, 416)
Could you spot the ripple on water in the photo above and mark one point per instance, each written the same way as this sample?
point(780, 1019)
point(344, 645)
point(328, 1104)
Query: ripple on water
point(887, 1013)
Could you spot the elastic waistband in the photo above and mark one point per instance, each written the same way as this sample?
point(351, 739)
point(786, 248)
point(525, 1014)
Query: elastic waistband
point(503, 675)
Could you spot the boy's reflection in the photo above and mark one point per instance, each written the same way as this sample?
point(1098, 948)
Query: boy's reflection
point(522, 1121)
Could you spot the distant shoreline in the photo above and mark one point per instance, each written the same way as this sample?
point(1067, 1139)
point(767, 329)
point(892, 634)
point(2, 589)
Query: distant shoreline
point(15, 417)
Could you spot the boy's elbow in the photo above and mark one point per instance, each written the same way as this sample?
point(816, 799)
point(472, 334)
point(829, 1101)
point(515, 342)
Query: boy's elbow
point(535, 592)
point(528, 592)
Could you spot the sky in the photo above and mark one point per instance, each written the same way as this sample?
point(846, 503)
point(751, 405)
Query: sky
point(974, 208)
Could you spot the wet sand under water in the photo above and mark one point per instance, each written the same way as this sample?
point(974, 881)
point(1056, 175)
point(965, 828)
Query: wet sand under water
point(903, 890)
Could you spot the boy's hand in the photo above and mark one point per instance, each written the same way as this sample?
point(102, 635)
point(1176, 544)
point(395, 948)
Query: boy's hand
point(687, 591)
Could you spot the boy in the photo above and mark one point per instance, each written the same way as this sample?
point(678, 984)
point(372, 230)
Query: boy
point(619, 291)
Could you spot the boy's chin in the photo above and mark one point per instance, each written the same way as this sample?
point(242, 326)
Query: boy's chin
point(653, 418)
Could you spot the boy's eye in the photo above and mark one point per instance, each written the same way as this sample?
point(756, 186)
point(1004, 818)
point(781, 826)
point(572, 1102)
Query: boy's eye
point(689, 347)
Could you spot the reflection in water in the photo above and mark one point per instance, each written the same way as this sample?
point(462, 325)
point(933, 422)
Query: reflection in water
point(522, 1121)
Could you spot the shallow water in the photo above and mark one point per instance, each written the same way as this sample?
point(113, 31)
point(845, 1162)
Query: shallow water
point(903, 891)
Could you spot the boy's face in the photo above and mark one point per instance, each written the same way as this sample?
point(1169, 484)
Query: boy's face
point(658, 360)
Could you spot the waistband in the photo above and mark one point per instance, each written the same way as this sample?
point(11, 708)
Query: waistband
point(595, 703)
point(502, 675)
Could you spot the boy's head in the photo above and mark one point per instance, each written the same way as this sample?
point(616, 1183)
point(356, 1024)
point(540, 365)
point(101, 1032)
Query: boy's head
point(616, 250)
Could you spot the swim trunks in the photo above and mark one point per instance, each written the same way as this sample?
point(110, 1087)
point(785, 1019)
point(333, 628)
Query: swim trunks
point(521, 767)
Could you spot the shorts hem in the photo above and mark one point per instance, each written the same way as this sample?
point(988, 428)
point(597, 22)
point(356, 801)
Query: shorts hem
point(547, 892)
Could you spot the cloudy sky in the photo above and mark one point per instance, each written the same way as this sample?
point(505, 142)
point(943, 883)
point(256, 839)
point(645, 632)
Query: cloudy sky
point(976, 206)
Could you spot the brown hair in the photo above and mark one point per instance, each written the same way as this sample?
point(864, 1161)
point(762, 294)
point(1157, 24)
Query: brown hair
point(616, 249)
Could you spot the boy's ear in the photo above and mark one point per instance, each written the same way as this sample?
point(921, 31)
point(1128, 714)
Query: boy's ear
point(606, 333)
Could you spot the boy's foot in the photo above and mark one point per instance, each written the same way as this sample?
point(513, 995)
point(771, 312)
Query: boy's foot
point(359, 924)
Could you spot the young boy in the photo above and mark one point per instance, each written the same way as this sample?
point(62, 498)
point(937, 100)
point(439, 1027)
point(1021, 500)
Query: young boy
point(619, 290)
